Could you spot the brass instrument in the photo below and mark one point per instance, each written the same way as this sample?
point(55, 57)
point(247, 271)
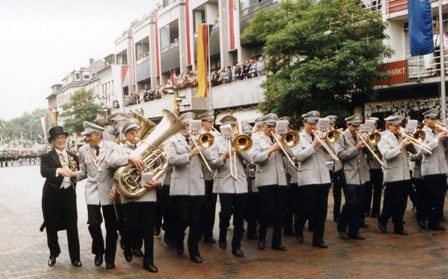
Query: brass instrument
point(128, 178)
point(417, 138)
point(331, 137)
point(146, 125)
point(287, 138)
point(441, 126)
point(204, 140)
point(370, 139)
point(237, 140)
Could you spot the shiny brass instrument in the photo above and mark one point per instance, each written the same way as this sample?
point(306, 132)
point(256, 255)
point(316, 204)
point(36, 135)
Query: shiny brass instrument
point(370, 139)
point(146, 125)
point(286, 138)
point(204, 140)
point(441, 126)
point(128, 178)
point(417, 138)
point(330, 137)
point(239, 141)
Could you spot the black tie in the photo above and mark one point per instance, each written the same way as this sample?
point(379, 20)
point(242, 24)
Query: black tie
point(354, 137)
point(398, 138)
point(312, 136)
point(97, 150)
point(188, 140)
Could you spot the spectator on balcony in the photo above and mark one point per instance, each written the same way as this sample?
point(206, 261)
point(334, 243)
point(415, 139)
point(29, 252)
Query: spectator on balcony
point(215, 78)
point(259, 66)
point(252, 69)
point(238, 75)
point(246, 68)
point(146, 96)
point(223, 77)
point(437, 38)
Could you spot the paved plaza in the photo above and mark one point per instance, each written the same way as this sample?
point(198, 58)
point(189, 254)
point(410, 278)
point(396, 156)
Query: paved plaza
point(24, 253)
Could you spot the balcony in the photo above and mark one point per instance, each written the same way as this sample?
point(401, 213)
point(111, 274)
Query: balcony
point(425, 66)
point(398, 5)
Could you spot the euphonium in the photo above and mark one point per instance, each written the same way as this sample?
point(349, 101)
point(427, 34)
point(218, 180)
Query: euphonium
point(146, 125)
point(128, 179)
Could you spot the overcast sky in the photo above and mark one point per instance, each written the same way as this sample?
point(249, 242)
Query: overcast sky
point(43, 40)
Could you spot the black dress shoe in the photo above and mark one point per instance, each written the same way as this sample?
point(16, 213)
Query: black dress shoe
point(443, 219)
point(128, 255)
point(320, 244)
point(98, 259)
point(252, 236)
point(156, 231)
point(437, 227)
point(110, 266)
point(151, 268)
point(364, 225)
point(289, 233)
point(422, 224)
point(343, 235)
point(238, 252)
point(222, 244)
point(51, 261)
point(210, 240)
point(196, 259)
point(77, 263)
point(299, 237)
point(382, 226)
point(138, 253)
point(356, 235)
point(279, 247)
point(122, 244)
point(166, 239)
point(374, 215)
point(401, 232)
point(336, 219)
point(180, 250)
point(261, 244)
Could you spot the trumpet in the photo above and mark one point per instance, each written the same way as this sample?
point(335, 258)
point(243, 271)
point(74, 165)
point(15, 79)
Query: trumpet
point(205, 140)
point(370, 139)
point(441, 126)
point(417, 138)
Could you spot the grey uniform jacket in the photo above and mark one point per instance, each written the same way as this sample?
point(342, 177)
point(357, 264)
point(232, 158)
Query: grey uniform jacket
point(187, 178)
point(207, 174)
point(394, 159)
point(313, 169)
point(100, 176)
point(224, 182)
point(119, 158)
point(355, 161)
point(270, 170)
point(434, 163)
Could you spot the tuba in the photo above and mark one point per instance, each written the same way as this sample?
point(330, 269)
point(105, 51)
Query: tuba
point(128, 179)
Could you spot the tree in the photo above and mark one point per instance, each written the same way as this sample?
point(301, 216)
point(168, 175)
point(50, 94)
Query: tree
point(27, 127)
point(80, 108)
point(344, 47)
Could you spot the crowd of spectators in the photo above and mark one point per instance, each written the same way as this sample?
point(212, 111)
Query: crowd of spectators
point(249, 68)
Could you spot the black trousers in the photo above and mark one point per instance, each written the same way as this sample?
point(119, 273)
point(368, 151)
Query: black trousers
point(111, 223)
point(395, 200)
point(188, 214)
point(376, 183)
point(140, 219)
point(288, 218)
point(352, 213)
point(272, 201)
point(312, 206)
point(59, 207)
point(209, 210)
point(338, 182)
point(420, 192)
point(434, 197)
point(165, 201)
point(232, 204)
point(253, 209)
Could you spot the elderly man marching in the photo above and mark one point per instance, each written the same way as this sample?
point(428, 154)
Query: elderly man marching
point(187, 188)
point(139, 212)
point(350, 150)
point(313, 180)
point(394, 147)
point(270, 180)
point(100, 193)
point(434, 169)
point(231, 187)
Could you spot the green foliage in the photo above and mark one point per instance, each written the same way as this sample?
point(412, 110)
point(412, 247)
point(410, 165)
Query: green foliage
point(27, 127)
point(80, 108)
point(344, 45)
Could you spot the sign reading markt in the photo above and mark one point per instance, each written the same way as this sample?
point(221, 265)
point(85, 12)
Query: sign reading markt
point(397, 72)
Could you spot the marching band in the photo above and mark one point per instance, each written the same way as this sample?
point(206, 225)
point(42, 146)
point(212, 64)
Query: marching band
point(267, 175)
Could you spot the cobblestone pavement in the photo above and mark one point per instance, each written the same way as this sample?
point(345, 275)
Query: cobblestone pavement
point(24, 253)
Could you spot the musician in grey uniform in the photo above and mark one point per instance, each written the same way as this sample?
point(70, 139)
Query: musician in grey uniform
point(208, 213)
point(140, 211)
point(434, 169)
point(313, 180)
point(232, 190)
point(187, 188)
point(394, 148)
point(100, 193)
point(270, 179)
point(350, 150)
point(112, 131)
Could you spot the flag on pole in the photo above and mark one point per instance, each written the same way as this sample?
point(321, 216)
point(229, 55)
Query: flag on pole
point(202, 60)
point(420, 27)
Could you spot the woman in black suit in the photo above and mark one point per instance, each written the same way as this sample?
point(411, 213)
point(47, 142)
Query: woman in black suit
point(59, 196)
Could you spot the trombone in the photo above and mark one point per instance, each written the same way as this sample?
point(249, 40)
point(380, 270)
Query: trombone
point(371, 139)
point(289, 139)
point(417, 138)
point(205, 140)
point(237, 140)
point(441, 126)
point(331, 137)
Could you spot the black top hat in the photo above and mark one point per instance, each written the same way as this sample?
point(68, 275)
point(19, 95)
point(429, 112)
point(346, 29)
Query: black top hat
point(56, 130)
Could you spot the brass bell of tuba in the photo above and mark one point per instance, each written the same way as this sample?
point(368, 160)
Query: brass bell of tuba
point(128, 179)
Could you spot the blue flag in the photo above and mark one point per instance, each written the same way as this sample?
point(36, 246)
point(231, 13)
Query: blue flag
point(420, 27)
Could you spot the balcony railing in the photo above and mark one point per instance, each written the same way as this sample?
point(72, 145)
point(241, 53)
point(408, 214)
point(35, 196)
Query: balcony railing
point(425, 66)
point(397, 5)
